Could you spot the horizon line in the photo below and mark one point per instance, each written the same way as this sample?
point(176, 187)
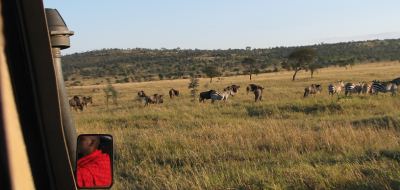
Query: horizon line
point(252, 48)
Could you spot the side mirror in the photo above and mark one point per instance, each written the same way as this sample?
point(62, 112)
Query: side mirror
point(94, 167)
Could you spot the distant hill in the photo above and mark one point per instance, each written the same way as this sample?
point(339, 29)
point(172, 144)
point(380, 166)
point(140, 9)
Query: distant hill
point(378, 36)
point(129, 65)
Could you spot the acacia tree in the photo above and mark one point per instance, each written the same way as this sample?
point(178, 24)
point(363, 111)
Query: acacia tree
point(314, 67)
point(193, 84)
point(212, 71)
point(300, 59)
point(249, 62)
point(110, 92)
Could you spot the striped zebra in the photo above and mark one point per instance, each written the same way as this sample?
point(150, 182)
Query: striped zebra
point(351, 88)
point(384, 87)
point(396, 81)
point(336, 88)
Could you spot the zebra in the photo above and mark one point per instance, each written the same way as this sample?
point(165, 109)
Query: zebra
point(351, 88)
point(312, 89)
point(384, 87)
point(336, 88)
point(224, 95)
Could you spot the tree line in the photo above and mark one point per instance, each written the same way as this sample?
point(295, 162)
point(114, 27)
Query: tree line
point(140, 64)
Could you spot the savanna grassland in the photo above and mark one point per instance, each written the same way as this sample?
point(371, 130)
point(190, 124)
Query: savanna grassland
point(283, 142)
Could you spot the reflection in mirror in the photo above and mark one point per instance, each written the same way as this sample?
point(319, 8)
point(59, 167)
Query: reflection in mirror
point(94, 161)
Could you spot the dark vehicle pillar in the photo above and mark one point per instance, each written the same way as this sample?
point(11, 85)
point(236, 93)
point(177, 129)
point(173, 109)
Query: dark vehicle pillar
point(59, 37)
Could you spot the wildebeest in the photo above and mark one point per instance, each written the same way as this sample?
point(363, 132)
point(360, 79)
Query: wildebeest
point(312, 89)
point(396, 81)
point(384, 87)
point(257, 90)
point(86, 100)
point(173, 93)
point(336, 88)
point(206, 95)
point(75, 103)
point(155, 99)
point(351, 88)
point(253, 87)
point(258, 94)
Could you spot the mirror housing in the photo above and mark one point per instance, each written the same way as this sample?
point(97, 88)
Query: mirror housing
point(94, 166)
point(59, 32)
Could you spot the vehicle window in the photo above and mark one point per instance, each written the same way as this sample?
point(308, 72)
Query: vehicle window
point(239, 94)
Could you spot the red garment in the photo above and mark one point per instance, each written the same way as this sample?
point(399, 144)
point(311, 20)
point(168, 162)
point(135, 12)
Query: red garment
point(94, 170)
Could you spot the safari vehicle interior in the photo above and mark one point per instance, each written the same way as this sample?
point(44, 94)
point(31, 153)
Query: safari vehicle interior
point(38, 141)
point(41, 150)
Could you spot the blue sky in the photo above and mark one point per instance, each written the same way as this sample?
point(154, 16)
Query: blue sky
point(223, 24)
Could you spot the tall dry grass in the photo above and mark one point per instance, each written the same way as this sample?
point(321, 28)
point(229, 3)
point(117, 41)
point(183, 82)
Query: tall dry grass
point(283, 142)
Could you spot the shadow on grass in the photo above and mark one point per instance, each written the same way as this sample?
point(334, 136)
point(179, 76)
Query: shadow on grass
point(264, 111)
point(392, 154)
point(383, 122)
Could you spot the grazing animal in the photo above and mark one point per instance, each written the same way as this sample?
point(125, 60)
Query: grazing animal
point(258, 94)
point(173, 93)
point(206, 95)
point(396, 81)
point(216, 96)
point(155, 99)
point(141, 94)
point(336, 88)
point(257, 90)
point(312, 89)
point(383, 87)
point(253, 87)
point(75, 103)
point(86, 100)
point(234, 88)
point(366, 87)
point(351, 88)
point(221, 95)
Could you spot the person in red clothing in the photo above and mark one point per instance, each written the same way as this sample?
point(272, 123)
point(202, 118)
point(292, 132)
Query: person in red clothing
point(94, 166)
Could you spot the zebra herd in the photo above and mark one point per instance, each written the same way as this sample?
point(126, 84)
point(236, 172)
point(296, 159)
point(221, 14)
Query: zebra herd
point(338, 87)
point(350, 88)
